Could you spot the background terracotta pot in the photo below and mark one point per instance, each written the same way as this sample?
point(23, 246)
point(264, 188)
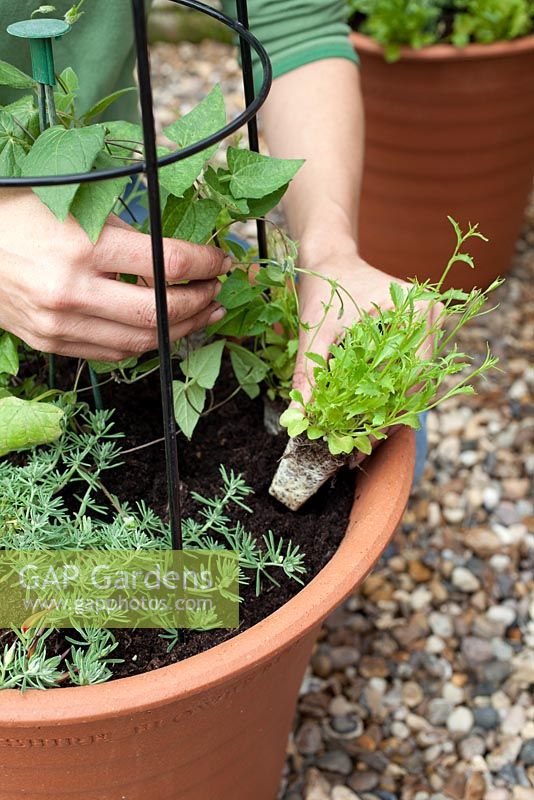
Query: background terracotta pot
point(449, 131)
point(215, 726)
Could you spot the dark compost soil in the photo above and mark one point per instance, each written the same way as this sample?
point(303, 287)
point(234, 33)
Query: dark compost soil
point(232, 435)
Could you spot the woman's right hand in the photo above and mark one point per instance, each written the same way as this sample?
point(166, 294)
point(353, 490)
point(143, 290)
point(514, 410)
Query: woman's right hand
point(59, 293)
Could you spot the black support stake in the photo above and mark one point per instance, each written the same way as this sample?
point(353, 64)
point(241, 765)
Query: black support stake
point(151, 171)
point(250, 92)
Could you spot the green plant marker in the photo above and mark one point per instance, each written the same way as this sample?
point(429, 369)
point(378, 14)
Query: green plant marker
point(40, 34)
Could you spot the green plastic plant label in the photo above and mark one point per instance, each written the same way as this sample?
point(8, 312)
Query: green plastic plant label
point(119, 589)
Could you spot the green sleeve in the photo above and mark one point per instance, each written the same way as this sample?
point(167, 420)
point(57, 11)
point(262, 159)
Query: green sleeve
point(298, 32)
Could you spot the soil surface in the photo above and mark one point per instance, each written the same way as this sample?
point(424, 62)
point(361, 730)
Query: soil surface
point(232, 435)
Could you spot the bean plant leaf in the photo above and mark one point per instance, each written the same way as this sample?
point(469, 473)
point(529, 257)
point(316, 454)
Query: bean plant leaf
point(261, 207)
point(240, 322)
point(204, 364)
point(94, 202)
point(11, 157)
point(27, 423)
point(205, 119)
point(237, 290)
point(249, 369)
point(191, 219)
point(219, 191)
point(68, 87)
point(235, 248)
point(189, 402)
point(13, 146)
point(105, 103)
point(9, 354)
point(177, 178)
point(13, 77)
point(25, 118)
point(256, 176)
point(69, 80)
point(58, 152)
point(127, 136)
point(208, 117)
point(105, 367)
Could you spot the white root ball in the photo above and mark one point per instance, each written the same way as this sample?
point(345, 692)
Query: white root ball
point(303, 469)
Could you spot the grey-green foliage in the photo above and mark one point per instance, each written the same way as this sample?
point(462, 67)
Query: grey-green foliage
point(89, 661)
point(26, 663)
point(35, 516)
point(418, 23)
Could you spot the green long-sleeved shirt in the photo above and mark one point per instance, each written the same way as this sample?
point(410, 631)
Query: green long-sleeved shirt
point(100, 46)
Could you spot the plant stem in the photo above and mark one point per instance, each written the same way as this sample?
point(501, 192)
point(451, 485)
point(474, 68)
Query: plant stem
point(97, 395)
point(51, 106)
point(41, 100)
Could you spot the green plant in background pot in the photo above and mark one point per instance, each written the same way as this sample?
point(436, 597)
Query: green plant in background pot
point(420, 23)
point(444, 134)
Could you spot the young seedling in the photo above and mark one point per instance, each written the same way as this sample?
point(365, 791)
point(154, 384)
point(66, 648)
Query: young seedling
point(384, 373)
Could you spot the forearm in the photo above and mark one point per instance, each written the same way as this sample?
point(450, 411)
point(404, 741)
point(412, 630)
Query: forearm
point(316, 113)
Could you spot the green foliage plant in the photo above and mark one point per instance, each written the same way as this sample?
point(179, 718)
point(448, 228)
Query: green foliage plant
point(384, 373)
point(418, 23)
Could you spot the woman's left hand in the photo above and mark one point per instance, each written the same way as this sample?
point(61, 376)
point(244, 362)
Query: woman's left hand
point(364, 283)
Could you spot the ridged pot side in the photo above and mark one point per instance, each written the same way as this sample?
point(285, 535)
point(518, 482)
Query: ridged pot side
point(449, 132)
point(213, 727)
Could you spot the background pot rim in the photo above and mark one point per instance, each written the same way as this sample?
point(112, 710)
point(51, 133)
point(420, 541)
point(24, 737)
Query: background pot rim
point(388, 474)
point(448, 52)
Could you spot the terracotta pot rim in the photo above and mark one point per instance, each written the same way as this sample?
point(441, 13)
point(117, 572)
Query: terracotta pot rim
point(388, 476)
point(448, 52)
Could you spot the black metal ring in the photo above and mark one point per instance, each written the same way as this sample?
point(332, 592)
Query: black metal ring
point(137, 169)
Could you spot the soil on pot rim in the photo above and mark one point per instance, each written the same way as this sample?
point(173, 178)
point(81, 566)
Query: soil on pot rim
point(232, 435)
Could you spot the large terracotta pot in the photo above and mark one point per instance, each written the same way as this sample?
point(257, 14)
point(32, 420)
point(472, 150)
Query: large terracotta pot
point(449, 131)
point(213, 727)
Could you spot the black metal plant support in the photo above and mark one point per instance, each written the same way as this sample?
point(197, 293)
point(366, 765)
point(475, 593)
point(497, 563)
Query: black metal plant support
point(150, 167)
point(248, 82)
point(158, 257)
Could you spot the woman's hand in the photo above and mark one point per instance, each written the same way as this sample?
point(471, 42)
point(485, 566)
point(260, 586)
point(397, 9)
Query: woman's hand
point(60, 294)
point(365, 285)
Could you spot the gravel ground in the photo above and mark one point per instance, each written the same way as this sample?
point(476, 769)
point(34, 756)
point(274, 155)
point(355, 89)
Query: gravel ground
point(419, 686)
